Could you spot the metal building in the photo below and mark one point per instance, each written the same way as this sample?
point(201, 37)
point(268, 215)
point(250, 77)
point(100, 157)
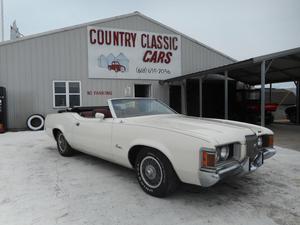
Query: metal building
point(45, 72)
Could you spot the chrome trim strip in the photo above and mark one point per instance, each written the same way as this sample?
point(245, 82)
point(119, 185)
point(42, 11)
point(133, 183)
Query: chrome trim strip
point(111, 108)
point(226, 170)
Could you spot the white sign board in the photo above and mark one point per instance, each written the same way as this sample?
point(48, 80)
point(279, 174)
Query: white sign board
point(124, 54)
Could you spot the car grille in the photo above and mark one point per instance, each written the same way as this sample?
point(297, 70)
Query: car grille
point(251, 144)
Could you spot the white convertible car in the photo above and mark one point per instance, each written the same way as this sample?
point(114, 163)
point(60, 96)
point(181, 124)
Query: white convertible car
point(163, 147)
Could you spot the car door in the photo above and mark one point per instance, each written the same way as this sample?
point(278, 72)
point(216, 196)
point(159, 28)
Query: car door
point(93, 136)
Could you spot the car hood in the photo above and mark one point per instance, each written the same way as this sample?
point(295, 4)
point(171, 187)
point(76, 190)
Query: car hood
point(211, 130)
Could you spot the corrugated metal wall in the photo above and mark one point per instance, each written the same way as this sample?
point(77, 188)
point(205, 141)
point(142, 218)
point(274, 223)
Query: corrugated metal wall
point(195, 57)
point(28, 68)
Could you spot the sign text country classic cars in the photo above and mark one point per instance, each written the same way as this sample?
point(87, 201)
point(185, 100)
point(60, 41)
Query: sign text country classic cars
point(124, 54)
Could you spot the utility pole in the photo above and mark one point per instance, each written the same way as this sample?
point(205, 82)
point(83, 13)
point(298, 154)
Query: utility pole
point(2, 20)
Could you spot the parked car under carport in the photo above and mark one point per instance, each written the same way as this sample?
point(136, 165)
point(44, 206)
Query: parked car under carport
point(291, 113)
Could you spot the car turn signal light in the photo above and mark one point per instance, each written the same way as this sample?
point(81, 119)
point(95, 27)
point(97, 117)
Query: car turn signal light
point(270, 141)
point(208, 159)
point(2, 130)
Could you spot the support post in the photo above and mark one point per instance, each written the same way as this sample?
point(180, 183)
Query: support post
point(226, 96)
point(200, 97)
point(183, 97)
point(270, 94)
point(262, 92)
point(298, 102)
point(1, 21)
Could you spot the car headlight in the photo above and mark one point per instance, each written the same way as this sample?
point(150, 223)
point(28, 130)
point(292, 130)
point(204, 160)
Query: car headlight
point(259, 141)
point(224, 152)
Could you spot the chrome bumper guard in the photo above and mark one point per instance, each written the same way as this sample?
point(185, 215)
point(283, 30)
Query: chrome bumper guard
point(268, 152)
point(209, 177)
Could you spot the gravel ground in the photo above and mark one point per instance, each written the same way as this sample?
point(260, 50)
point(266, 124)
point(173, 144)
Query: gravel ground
point(38, 186)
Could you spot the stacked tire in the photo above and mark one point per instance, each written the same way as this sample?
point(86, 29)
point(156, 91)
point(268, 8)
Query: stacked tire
point(35, 122)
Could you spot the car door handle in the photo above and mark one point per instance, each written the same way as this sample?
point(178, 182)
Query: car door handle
point(77, 124)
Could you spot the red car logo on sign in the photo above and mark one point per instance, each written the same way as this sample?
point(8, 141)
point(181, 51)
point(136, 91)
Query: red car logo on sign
point(116, 66)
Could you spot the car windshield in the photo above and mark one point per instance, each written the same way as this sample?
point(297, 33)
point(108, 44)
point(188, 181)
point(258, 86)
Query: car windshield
point(139, 107)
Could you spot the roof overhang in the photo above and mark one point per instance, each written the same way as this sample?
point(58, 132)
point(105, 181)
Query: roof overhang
point(281, 66)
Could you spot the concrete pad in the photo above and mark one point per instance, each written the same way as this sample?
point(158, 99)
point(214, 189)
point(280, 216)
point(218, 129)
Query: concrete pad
point(38, 186)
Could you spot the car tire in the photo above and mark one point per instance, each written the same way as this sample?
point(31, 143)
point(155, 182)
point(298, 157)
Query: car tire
point(35, 122)
point(63, 146)
point(155, 173)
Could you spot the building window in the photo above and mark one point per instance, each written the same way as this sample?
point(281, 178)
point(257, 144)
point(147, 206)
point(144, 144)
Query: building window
point(66, 94)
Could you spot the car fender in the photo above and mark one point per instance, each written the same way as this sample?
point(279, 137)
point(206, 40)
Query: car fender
point(184, 172)
point(53, 121)
point(153, 144)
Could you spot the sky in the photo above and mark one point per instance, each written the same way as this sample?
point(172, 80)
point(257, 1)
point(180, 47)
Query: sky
point(238, 28)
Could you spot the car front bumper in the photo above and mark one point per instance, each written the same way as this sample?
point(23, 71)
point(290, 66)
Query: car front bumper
point(208, 177)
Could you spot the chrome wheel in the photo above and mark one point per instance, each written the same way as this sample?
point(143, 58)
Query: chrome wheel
point(151, 172)
point(62, 143)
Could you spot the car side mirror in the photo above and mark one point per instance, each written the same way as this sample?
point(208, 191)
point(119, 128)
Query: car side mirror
point(99, 116)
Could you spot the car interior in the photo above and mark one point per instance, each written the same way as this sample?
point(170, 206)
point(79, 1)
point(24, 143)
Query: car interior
point(90, 112)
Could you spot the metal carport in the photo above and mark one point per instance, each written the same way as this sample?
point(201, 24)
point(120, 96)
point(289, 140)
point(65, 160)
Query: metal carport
point(278, 67)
